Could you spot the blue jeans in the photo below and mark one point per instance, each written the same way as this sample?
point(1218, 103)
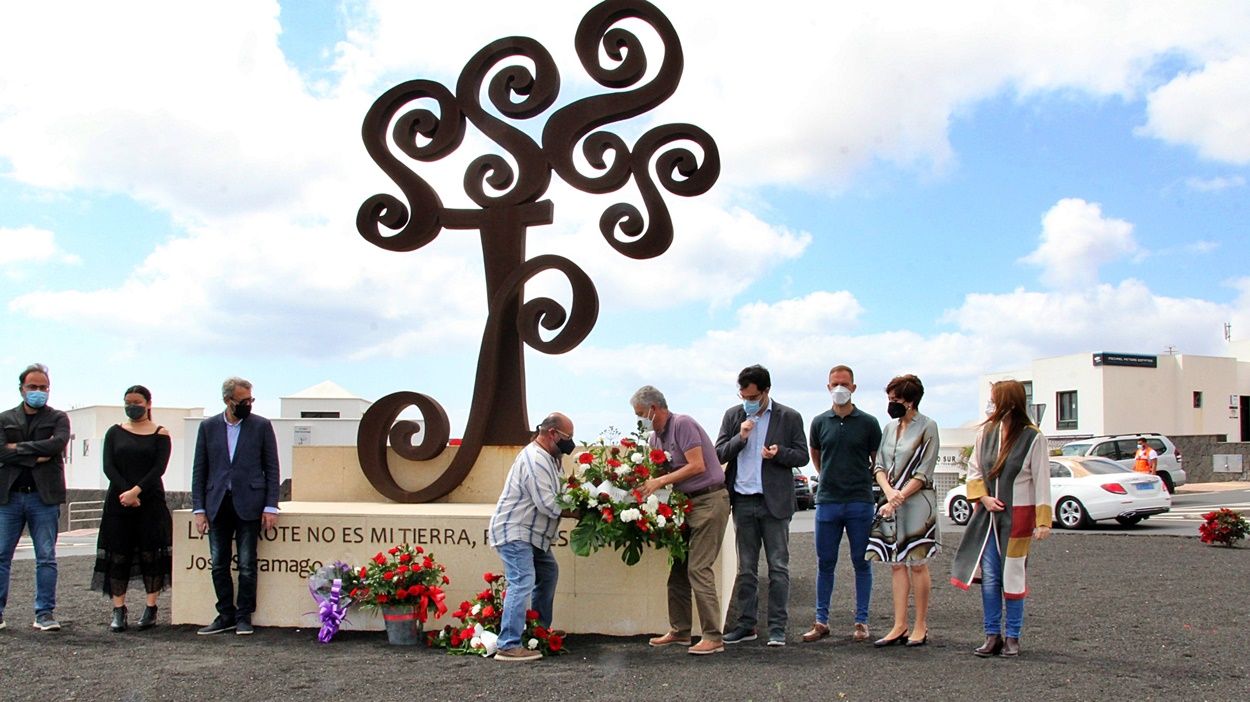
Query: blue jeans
point(530, 572)
point(831, 519)
point(992, 595)
point(225, 528)
point(26, 510)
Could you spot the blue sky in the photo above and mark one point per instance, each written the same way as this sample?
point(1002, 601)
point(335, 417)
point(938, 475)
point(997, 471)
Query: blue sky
point(945, 190)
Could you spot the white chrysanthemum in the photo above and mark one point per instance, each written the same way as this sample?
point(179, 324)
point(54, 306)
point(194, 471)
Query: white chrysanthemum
point(652, 504)
point(636, 457)
point(623, 470)
point(631, 515)
point(532, 645)
point(660, 521)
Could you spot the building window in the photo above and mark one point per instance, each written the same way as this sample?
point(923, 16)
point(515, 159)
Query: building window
point(318, 415)
point(1197, 399)
point(1028, 392)
point(1066, 402)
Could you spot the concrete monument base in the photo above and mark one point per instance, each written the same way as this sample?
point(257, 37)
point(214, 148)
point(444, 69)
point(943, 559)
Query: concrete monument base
point(597, 594)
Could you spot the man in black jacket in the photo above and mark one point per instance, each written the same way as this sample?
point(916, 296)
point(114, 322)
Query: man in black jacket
point(761, 442)
point(32, 488)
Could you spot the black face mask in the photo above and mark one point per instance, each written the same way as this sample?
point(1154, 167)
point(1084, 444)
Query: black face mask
point(896, 410)
point(243, 410)
point(565, 446)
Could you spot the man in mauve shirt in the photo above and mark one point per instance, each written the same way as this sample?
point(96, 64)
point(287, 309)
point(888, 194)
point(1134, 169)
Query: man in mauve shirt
point(695, 470)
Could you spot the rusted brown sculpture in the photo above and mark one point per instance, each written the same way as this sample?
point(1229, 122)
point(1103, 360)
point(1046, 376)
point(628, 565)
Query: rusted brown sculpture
point(508, 204)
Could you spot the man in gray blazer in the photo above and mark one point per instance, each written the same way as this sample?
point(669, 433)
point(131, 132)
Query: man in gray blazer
point(760, 442)
point(32, 488)
point(234, 495)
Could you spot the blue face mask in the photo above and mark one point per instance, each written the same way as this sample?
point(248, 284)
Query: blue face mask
point(751, 406)
point(36, 398)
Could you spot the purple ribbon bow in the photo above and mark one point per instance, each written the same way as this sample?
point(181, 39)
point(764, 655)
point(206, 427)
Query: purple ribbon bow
point(332, 610)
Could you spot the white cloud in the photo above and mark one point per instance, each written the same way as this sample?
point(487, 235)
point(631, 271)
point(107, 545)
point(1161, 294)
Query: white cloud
point(1206, 109)
point(1076, 240)
point(32, 245)
point(1216, 184)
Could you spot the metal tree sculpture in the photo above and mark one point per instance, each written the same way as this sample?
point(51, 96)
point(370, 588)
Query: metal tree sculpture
point(508, 204)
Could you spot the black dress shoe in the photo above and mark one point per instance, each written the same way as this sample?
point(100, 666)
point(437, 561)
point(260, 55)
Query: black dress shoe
point(118, 624)
point(218, 625)
point(897, 640)
point(1011, 648)
point(922, 641)
point(993, 644)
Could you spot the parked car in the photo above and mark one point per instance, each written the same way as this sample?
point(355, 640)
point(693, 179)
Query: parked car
point(804, 489)
point(1123, 447)
point(1083, 490)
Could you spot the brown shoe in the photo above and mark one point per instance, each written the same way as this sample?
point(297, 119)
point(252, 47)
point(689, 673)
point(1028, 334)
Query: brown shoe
point(860, 633)
point(993, 644)
point(816, 633)
point(1011, 648)
point(706, 647)
point(517, 654)
point(669, 639)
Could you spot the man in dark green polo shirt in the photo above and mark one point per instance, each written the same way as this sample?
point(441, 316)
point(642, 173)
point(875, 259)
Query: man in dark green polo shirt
point(843, 443)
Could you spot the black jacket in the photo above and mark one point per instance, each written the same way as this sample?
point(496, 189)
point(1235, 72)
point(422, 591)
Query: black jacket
point(46, 434)
point(785, 429)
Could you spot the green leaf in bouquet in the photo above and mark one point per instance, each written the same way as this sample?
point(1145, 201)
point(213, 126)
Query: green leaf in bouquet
point(583, 537)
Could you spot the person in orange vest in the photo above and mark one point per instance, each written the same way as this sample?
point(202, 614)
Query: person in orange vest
point(1146, 460)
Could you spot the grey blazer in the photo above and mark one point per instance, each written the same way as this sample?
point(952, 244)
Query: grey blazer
point(785, 429)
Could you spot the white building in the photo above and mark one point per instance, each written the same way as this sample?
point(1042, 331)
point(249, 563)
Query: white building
point(1096, 394)
point(322, 415)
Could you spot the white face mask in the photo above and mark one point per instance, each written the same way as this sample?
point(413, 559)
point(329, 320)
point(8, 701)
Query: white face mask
point(841, 395)
point(646, 423)
point(989, 408)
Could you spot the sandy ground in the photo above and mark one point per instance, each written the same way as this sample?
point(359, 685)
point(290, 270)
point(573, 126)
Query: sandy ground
point(1111, 617)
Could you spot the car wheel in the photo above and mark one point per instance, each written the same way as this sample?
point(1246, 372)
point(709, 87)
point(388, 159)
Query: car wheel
point(959, 510)
point(1070, 513)
point(1129, 521)
point(1167, 483)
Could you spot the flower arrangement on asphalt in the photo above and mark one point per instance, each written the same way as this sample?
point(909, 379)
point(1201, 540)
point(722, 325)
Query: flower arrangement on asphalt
point(326, 585)
point(480, 619)
point(402, 576)
point(1223, 526)
point(604, 490)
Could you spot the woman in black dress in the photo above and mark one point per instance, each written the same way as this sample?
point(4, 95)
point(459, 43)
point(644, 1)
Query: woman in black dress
point(136, 529)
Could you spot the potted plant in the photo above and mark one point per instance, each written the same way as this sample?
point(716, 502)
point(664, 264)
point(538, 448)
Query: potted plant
point(405, 583)
point(1223, 526)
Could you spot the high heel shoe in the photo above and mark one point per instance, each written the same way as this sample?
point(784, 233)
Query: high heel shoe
point(993, 644)
point(922, 641)
point(885, 641)
point(118, 624)
point(147, 620)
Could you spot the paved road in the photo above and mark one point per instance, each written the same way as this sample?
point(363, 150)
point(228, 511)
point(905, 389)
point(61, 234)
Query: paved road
point(1183, 520)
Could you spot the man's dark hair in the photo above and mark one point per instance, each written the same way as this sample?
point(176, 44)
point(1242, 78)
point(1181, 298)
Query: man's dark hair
point(757, 375)
point(32, 368)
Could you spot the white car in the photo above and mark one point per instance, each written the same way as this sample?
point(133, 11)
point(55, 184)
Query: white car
point(1123, 447)
point(1086, 489)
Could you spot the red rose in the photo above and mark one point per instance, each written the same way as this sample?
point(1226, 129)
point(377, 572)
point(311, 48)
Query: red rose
point(388, 575)
point(405, 557)
point(393, 550)
point(382, 598)
point(379, 559)
point(427, 562)
point(488, 577)
point(401, 594)
point(483, 595)
point(364, 572)
point(614, 463)
point(585, 459)
point(416, 590)
point(401, 570)
point(628, 442)
point(664, 510)
point(531, 614)
point(540, 632)
point(643, 472)
point(555, 643)
point(446, 580)
point(607, 514)
point(419, 550)
point(487, 612)
point(657, 456)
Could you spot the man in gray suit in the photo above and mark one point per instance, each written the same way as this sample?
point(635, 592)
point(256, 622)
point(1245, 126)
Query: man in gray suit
point(234, 495)
point(760, 442)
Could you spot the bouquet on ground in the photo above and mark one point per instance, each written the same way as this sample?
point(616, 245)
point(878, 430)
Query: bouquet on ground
point(1223, 526)
point(479, 621)
point(402, 576)
point(329, 587)
point(604, 489)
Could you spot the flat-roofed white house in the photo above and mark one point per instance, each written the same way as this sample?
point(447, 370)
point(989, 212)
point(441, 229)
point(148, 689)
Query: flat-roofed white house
point(1103, 393)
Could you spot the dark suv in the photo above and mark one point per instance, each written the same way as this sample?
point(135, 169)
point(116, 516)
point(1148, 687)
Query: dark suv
point(804, 491)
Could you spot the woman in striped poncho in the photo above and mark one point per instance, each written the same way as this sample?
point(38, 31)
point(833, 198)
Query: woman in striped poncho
point(1009, 483)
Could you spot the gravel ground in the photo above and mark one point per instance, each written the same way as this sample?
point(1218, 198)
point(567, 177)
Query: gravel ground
point(1111, 617)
